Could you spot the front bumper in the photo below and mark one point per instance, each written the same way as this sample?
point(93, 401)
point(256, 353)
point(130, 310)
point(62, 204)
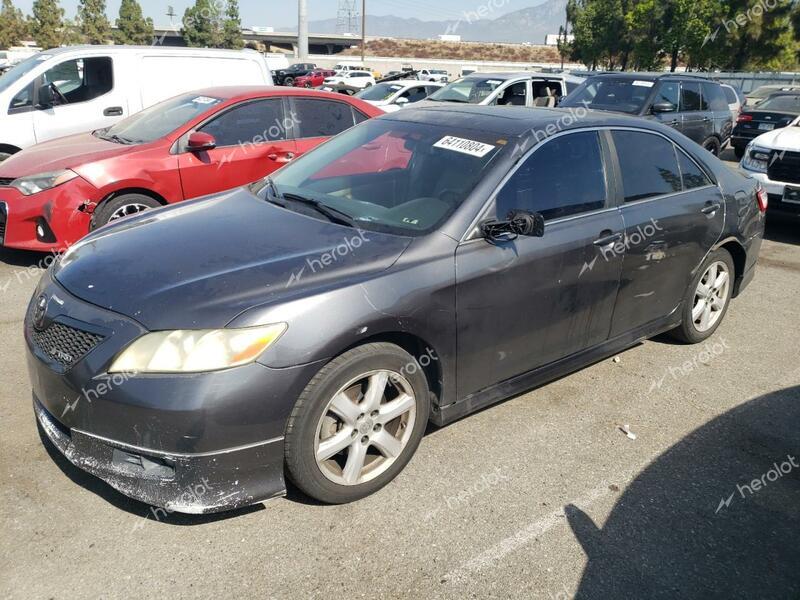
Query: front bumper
point(55, 211)
point(155, 437)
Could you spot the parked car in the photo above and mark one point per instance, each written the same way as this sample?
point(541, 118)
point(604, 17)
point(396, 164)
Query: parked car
point(398, 94)
point(694, 106)
point(437, 75)
point(314, 79)
point(508, 89)
point(416, 268)
point(80, 88)
point(765, 91)
point(777, 111)
point(348, 82)
point(736, 99)
point(773, 158)
point(288, 75)
point(195, 144)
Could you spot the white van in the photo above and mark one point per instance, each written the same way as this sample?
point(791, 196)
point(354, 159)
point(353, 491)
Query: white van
point(81, 88)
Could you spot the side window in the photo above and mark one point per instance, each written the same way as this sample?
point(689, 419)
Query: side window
point(692, 175)
point(513, 95)
point(321, 118)
point(690, 96)
point(543, 185)
point(429, 89)
point(24, 99)
point(249, 123)
point(82, 79)
point(648, 164)
point(359, 117)
point(715, 97)
point(668, 91)
point(414, 94)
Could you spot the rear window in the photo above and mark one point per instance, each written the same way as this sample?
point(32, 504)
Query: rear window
point(787, 103)
point(730, 95)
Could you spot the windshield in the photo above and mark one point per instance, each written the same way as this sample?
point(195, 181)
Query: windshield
point(381, 91)
point(785, 103)
point(620, 95)
point(469, 90)
point(20, 70)
point(389, 176)
point(157, 121)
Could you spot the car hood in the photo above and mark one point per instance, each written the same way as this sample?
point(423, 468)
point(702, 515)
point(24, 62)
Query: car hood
point(786, 138)
point(199, 264)
point(63, 153)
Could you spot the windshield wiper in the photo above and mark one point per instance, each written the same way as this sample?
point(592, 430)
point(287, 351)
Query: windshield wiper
point(114, 138)
point(333, 214)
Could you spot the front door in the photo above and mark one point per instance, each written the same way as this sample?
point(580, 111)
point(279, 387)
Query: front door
point(524, 303)
point(673, 216)
point(86, 98)
point(668, 92)
point(252, 142)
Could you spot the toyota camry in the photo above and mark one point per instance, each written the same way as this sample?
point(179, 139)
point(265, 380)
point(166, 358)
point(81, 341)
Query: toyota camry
point(414, 269)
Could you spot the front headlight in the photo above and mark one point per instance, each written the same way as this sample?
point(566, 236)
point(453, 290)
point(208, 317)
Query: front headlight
point(194, 351)
point(33, 184)
point(756, 159)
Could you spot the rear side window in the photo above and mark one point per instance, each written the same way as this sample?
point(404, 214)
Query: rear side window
point(543, 185)
point(648, 163)
point(714, 97)
point(249, 123)
point(730, 95)
point(691, 175)
point(690, 96)
point(321, 118)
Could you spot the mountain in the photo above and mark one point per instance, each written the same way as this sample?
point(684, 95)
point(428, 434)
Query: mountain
point(526, 25)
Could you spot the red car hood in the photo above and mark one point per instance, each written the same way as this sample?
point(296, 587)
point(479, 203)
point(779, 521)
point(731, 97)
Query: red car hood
point(64, 153)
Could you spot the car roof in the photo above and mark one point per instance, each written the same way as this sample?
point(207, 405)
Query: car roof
point(644, 76)
point(513, 121)
point(507, 75)
point(243, 92)
point(153, 49)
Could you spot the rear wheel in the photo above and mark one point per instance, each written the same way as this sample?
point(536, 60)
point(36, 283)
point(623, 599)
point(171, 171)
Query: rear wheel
point(712, 145)
point(289, 81)
point(121, 207)
point(707, 298)
point(357, 424)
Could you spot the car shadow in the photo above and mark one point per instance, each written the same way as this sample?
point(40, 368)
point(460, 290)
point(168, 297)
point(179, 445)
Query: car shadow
point(25, 258)
point(717, 515)
point(145, 511)
point(782, 229)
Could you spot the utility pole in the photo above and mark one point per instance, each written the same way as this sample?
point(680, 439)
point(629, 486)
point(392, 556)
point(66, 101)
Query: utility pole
point(363, 30)
point(302, 30)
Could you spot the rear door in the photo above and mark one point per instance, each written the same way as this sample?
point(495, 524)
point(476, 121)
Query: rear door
point(673, 215)
point(716, 103)
point(526, 302)
point(696, 122)
point(314, 120)
point(253, 140)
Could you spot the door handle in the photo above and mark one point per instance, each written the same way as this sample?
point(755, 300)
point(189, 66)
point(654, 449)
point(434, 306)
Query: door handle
point(710, 209)
point(607, 238)
point(113, 111)
point(706, 119)
point(672, 123)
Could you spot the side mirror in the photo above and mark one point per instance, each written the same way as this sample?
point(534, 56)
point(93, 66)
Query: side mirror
point(45, 97)
point(201, 142)
point(663, 107)
point(519, 222)
point(401, 101)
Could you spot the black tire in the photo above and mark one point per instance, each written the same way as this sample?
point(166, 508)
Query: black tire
point(288, 82)
point(104, 213)
point(308, 85)
point(738, 152)
point(712, 145)
point(688, 332)
point(311, 407)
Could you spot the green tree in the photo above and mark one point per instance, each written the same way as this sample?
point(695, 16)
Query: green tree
point(93, 21)
point(232, 27)
point(71, 34)
point(754, 37)
point(13, 28)
point(201, 25)
point(132, 27)
point(47, 23)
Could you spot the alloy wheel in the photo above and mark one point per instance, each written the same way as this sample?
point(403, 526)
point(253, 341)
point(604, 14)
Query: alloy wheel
point(127, 210)
point(365, 428)
point(711, 296)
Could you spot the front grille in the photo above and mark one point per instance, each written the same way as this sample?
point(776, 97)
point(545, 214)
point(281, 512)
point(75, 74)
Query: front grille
point(3, 218)
point(785, 167)
point(64, 344)
point(6, 181)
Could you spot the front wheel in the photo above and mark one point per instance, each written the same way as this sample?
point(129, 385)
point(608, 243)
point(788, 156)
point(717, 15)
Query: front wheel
point(288, 82)
point(707, 298)
point(120, 207)
point(357, 424)
point(712, 145)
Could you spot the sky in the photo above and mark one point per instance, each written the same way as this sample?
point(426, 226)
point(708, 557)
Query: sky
point(283, 13)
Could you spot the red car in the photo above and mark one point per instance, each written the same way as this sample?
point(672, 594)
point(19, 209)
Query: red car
point(313, 79)
point(212, 140)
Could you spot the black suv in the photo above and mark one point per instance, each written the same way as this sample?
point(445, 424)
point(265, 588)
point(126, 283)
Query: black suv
point(693, 105)
point(289, 74)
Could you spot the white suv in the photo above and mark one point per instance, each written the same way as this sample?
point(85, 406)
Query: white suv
point(433, 75)
point(348, 82)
